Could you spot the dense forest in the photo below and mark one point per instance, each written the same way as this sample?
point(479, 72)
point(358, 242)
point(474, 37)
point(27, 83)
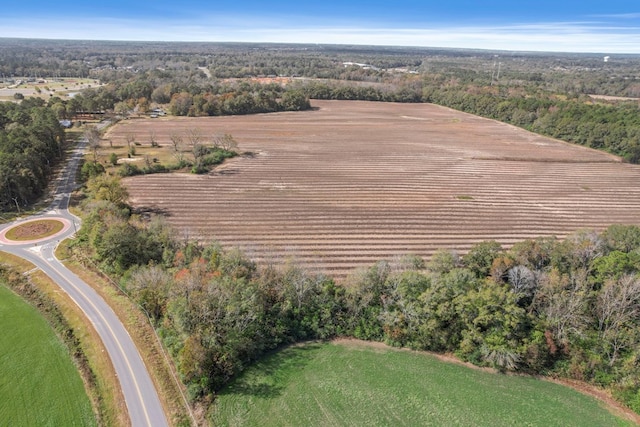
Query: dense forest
point(566, 308)
point(31, 143)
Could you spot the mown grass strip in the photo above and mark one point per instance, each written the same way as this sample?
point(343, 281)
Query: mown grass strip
point(40, 384)
point(101, 382)
point(343, 384)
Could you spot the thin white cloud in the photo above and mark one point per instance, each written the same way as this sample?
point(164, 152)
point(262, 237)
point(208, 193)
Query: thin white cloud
point(635, 15)
point(550, 36)
point(524, 38)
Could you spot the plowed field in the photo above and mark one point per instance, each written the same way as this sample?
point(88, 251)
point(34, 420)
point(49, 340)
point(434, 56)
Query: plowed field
point(352, 183)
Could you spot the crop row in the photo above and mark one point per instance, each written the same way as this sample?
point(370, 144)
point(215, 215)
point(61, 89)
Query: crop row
point(339, 190)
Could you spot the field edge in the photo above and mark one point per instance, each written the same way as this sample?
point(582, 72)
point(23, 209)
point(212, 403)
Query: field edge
point(613, 406)
point(36, 292)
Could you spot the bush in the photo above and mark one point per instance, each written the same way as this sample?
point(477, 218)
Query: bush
point(198, 170)
point(128, 169)
point(217, 156)
point(91, 170)
point(155, 168)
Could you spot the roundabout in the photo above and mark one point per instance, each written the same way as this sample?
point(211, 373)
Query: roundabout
point(35, 239)
point(35, 231)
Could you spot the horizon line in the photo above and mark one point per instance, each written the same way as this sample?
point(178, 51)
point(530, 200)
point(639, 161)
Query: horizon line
point(309, 43)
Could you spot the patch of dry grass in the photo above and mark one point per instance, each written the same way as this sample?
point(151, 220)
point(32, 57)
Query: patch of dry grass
point(34, 230)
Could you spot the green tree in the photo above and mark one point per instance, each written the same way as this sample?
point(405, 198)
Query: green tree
point(31, 142)
point(108, 188)
point(91, 170)
point(480, 257)
point(624, 238)
point(294, 100)
point(149, 286)
point(180, 104)
point(443, 261)
point(615, 265)
point(495, 326)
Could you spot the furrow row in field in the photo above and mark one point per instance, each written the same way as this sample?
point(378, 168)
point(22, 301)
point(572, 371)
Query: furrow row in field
point(354, 182)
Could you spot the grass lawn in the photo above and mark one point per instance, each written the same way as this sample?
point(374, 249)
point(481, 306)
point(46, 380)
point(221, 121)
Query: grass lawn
point(351, 384)
point(40, 384)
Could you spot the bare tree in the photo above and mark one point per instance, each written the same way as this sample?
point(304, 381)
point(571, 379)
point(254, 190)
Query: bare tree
point(225, 141)
point(502, 357)
point(130, 138)
point(198, 150)
point(152, 138)
point(92, 135)
point(522, 280)
point(618, 312)
point(15, 200)
point(586, 246)
point(564, 301)
point(177, 142)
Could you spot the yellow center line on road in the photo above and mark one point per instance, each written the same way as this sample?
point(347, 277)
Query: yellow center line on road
point(106, 323)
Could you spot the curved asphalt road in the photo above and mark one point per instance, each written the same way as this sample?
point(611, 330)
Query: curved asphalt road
point(139, 392)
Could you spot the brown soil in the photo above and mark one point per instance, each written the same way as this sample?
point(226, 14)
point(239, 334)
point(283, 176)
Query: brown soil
point(34, 230)
point(351, 183)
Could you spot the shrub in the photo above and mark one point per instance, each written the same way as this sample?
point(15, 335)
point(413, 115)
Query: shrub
point(91, 170)
point(128, 169)
point(217, 156)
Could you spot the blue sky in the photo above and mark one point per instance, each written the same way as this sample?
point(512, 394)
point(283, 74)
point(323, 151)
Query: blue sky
point(603, 26)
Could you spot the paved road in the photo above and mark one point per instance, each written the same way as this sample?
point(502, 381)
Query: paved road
point(139, 392)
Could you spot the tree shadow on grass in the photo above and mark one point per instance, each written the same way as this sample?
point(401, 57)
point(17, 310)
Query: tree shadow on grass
point(268, 377)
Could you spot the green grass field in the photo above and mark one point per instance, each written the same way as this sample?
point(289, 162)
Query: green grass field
point(347, 384)
point(39, 384)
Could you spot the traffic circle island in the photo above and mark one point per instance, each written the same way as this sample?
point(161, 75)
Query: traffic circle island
point(34, 231)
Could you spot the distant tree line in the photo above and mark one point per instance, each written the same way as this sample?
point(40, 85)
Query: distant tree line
point(183, 99)
point(109, 61)
point(566, 308)
point(31, 143)
point(544, 93)
point(241, 101)
point(611, 127)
